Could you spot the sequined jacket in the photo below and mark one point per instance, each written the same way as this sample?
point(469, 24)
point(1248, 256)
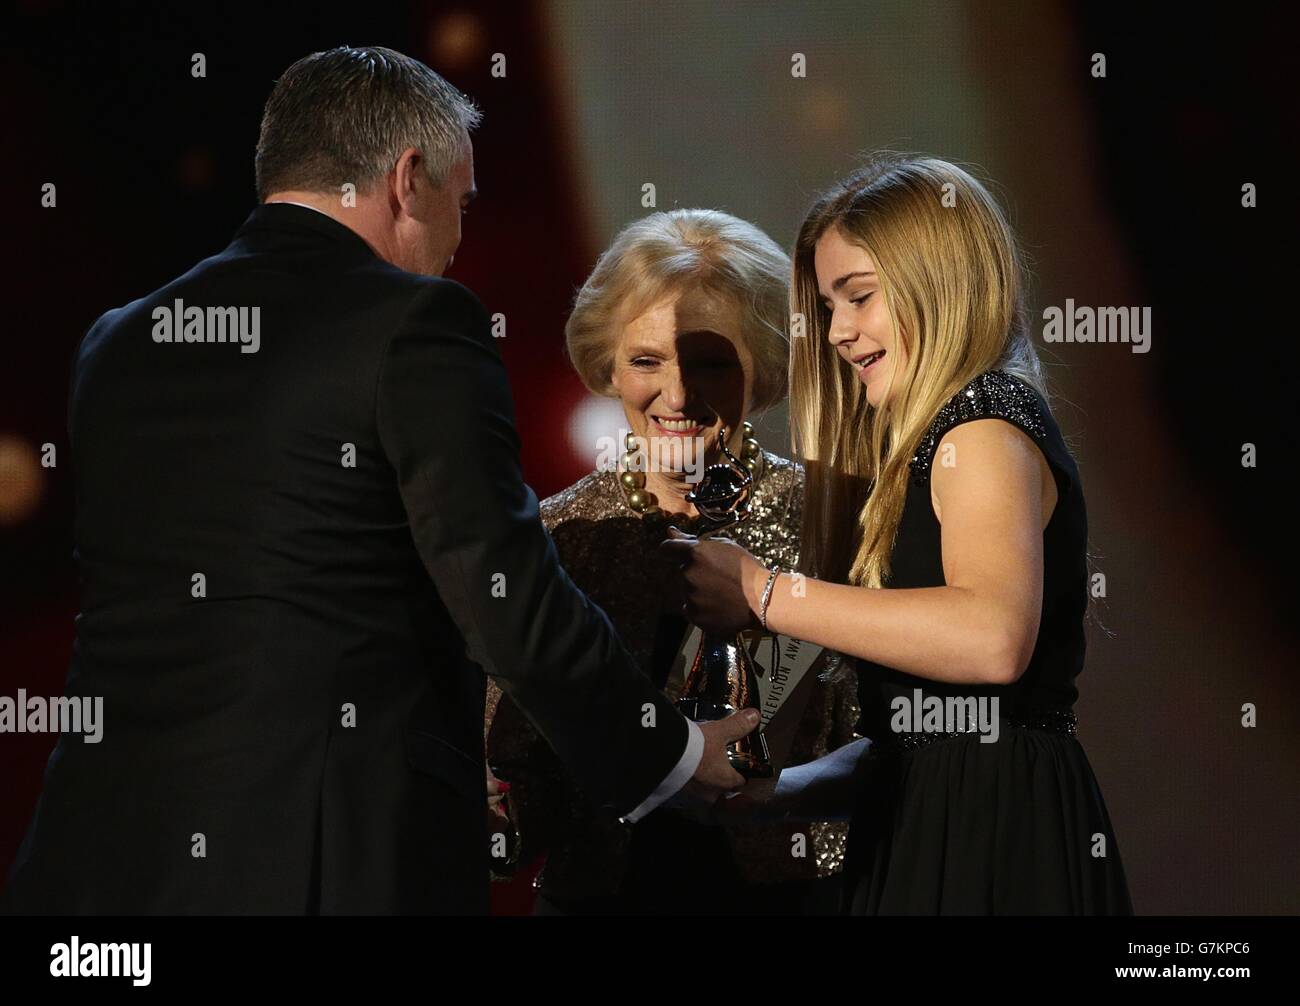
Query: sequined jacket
point(609, 553)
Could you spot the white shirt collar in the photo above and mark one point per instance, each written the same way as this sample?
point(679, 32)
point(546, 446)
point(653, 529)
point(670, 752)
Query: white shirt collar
point(290, 202)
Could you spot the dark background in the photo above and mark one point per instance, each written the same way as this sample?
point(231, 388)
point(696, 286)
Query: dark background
point(1127, 191)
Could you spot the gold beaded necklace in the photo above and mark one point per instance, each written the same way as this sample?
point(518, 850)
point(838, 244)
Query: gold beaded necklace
point(640, 500)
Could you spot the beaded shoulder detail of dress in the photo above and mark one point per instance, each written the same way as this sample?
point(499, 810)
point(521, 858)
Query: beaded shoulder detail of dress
point(992, 395)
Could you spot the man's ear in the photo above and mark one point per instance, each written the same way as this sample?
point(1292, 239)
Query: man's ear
point(408, 177)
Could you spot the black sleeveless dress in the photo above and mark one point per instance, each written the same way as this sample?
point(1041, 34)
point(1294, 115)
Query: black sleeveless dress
point(946, 824)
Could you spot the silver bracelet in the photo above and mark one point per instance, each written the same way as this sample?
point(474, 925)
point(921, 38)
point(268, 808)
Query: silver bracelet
point(767, 595)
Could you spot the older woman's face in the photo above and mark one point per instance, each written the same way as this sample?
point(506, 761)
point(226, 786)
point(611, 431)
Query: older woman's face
point(683, 370)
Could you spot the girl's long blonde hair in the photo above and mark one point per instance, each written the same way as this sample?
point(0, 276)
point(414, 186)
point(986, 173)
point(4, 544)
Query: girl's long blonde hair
point(952, 277)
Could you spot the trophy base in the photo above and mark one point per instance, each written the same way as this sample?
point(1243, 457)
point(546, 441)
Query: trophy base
point(749, 755)
point(752, 765)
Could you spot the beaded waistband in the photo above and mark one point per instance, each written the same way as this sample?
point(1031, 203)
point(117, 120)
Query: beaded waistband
point(1056, 721)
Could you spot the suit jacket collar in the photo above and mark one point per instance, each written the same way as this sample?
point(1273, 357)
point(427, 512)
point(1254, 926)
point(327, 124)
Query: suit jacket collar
point(294, 219)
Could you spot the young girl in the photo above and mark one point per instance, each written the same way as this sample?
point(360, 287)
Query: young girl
point(944, 546)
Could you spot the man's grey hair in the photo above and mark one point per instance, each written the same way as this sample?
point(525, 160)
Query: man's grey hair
point(346, 115)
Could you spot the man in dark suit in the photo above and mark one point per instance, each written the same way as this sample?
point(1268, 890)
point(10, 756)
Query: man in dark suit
point(303, 539)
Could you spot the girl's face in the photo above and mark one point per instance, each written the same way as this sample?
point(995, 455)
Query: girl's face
point(683, 371)
point(860, 329)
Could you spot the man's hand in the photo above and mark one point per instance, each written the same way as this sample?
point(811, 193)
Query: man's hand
point(715, 776)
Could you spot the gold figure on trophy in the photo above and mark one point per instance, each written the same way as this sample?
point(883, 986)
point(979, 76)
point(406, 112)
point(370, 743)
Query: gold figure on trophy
point(721, 679)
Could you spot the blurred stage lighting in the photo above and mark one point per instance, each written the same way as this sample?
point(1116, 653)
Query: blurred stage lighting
point(22, 480)
point(594, 426)
point(456, 42)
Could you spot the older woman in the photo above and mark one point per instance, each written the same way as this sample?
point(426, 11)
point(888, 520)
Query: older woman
point(683, 320)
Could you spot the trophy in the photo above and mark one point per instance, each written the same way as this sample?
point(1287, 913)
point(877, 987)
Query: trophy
point(721, 678)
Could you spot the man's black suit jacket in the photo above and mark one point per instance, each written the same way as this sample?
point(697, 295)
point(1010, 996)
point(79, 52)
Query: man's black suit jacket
point(307, 733)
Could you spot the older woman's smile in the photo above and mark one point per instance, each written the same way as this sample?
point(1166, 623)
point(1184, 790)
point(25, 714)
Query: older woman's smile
point(671, 426)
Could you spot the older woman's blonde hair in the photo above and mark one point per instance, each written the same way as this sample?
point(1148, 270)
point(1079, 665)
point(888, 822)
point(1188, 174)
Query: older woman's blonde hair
point(673, 251)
